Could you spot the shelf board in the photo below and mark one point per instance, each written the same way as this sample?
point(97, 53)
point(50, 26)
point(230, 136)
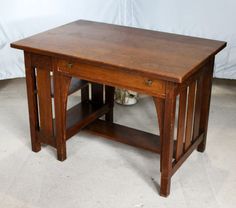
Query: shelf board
point(82, 114)
point(125, 135)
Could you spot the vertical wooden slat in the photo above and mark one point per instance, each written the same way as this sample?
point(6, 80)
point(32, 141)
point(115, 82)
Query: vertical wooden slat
point(189, 121)
point(168, 140)
point(206, 98)
point(109, 99)
point(45, 101)
point(197, 113)
point(32, 102)
point(181, 123)
point(97, 93)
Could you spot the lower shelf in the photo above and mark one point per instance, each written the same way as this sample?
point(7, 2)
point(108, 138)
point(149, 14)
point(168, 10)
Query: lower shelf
point(81, 115)
point(77, 118)
point(125, 135)
point(85, 115)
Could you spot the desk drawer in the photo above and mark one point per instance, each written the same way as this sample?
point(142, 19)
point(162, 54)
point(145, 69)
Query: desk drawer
point(113, 77)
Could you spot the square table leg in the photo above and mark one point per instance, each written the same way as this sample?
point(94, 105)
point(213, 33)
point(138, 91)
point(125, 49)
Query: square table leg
point(167, 140)
point(32, 102)
point(109, 99)
point(61, 87)
point(206, 98)
point(98, 97)
point(85, 94)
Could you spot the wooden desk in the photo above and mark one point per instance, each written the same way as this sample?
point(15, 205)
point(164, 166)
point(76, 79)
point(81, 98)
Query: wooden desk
point(162, 65)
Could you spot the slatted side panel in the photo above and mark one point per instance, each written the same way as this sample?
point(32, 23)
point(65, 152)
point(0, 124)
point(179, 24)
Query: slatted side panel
point(188, 123)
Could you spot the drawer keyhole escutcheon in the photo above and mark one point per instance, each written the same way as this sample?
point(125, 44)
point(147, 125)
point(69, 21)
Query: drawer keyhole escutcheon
point(148, 82)
point(69, 65)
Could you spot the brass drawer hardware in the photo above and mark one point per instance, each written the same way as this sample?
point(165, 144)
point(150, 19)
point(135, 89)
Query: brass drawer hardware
point(148, 82)
point(69, 65)
point(134, 82)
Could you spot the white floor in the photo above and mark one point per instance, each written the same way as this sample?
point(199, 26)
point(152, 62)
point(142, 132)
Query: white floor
point(102, 174)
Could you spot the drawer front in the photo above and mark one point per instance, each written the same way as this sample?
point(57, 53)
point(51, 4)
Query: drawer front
point(113, 77)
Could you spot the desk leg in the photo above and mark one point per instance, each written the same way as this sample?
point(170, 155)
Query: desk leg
point(85, 94)
point(98, 97)
point(61, 87)
point(205, 105)
point(109, 99)
point(32, 102)
point(97, 93)
point(167, 139)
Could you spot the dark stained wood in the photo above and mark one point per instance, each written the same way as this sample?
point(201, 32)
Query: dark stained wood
point(125, 135)
point(160, 109)
point(158, 64)
point(198, 104)
point(75, 85)
point(45, 101)
point(181, 123)
point(85, 93)
point(176, 164)
point(150, 53)
point(83, 114)
point(77, 118)
point(32, 102)
point(118, 78)
point(41, 61)
point(61, 87)
point(97, 93)
point(47, 139)
point(109, 99)
point(206, 98)
point(189, 121)
point(160, 104)
point(168, 140)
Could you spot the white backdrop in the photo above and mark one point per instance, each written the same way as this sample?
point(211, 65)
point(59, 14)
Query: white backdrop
point(203, 18)
point(22, 18)
point(214, 19)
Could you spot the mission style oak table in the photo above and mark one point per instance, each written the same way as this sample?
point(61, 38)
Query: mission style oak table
point(166, 66)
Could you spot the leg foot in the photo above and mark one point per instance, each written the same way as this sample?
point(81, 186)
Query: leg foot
point(202, 146)
point(36, 147)
point(165, 186)
point(61, 155)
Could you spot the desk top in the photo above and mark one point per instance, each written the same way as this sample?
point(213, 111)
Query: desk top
point(152, 53)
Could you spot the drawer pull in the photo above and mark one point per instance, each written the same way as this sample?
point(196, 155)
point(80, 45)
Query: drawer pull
point(148, 82)
point(69, 65)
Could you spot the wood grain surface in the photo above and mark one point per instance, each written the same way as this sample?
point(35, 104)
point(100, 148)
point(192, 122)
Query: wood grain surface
point(156, 54)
